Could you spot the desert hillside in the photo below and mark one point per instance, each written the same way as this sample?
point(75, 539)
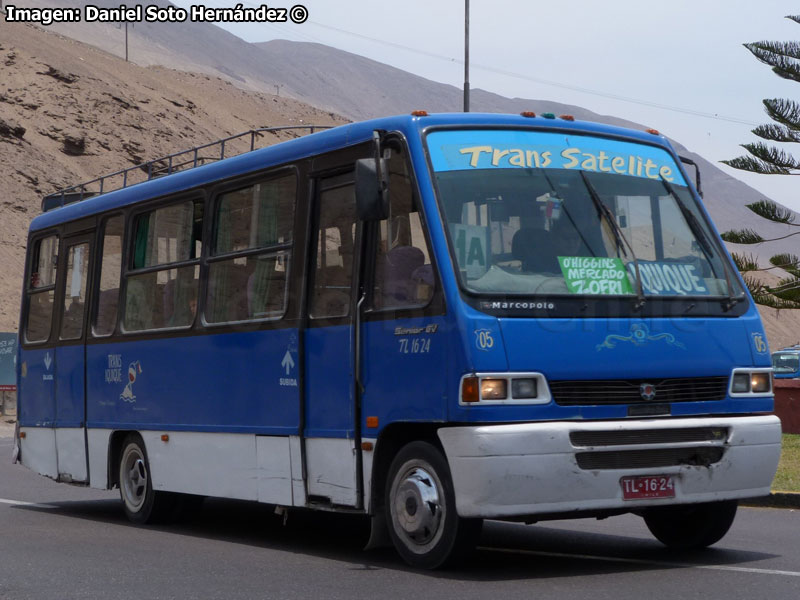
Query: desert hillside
point(70, 112)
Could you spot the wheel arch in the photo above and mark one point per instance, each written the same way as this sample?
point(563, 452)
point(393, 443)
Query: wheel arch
point(115, 444)
point(389, 443)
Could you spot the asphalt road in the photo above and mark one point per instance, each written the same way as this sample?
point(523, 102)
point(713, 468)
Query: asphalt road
point(62, 542)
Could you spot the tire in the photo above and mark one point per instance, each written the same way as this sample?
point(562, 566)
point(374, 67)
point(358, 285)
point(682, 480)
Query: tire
point(141, 503)
point(692, 526)
point(420, 509)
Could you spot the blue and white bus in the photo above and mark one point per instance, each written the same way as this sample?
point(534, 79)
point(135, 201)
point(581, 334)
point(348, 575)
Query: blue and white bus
point(429, 319)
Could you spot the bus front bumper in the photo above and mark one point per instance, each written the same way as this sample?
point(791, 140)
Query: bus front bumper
point(541, 468)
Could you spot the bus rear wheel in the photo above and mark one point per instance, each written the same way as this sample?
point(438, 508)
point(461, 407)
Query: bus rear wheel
point(421, 510)
point(693, 526)
point(141, 503)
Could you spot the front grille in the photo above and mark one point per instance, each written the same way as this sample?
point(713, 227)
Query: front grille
point(649, 459)
point(648, 436)
point(627, 391)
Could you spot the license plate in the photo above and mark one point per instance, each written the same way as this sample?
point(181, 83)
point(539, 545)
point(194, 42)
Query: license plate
point(647, 486)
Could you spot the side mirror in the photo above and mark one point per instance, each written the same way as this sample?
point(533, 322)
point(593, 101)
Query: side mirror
point(372, 189)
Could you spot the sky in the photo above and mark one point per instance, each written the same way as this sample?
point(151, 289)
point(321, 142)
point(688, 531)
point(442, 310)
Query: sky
point(676, 66)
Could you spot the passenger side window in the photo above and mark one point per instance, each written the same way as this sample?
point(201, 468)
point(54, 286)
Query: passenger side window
point(41, 289)
point(404, 274)
point(248, 269)
point(333, 269)
point(110, 270)
point(162, 284)
point(75, 292)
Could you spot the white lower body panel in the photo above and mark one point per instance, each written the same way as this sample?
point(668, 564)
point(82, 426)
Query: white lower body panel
point(266, 469)
point(528, 469)
point(38, 450)
point(71, 451)
point(331, 467)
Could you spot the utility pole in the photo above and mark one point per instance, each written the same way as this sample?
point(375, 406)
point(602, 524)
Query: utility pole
point(466, 56)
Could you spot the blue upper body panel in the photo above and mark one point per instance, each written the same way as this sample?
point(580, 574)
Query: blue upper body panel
point(400, 385)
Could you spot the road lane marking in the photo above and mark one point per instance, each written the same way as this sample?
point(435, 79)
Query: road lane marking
point(640, 561)
point(21, 503)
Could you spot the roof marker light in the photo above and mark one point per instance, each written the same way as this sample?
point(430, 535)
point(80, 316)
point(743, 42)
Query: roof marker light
point(548, 115)
point(653, 131)
point(567, 117)
point(419, 113)
point(528, 113)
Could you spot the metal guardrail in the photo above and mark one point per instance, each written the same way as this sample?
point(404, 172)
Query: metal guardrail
point(165, 165)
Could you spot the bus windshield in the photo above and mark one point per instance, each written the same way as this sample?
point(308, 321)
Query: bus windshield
point(542, 213)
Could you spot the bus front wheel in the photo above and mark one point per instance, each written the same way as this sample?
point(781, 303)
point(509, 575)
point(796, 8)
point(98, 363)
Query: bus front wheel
point(421, 510)
point(693, 526)
point(141, 503)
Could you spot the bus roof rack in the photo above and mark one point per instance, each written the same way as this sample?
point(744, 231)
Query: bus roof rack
point(221, 149)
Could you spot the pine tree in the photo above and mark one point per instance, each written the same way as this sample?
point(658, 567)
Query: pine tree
point(784, 58)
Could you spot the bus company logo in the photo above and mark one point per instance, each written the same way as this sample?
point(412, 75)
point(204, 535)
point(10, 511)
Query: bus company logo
point(134, 370)
point(506, 305)
point(647, 391)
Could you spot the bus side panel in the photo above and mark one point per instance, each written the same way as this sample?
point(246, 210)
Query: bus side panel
point(330, 409)
point(405, 369)
point(69, 386)
point(36, 395)
point(234, 382)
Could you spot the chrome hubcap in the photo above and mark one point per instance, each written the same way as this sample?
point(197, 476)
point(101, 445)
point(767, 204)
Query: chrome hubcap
point(134, 478)
point(417, 507)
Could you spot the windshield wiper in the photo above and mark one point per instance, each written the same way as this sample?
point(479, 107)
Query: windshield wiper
point(698, 232)
point(603, 212)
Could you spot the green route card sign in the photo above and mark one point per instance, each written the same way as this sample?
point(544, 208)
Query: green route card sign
point(592, 275)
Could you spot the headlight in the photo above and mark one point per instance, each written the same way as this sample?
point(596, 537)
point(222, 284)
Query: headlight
point(751, 382)
point(504, 388)
point(494, 389)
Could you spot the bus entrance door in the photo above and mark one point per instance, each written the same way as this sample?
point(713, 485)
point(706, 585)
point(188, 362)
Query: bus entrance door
point(70, 360)
point(331, 453)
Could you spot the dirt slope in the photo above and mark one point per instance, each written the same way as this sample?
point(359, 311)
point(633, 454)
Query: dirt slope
point(70, 112)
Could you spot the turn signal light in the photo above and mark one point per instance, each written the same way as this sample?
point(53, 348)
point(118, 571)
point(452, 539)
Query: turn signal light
point(469, 390)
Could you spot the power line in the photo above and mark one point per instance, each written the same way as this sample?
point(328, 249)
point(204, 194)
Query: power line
point(515, 75)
